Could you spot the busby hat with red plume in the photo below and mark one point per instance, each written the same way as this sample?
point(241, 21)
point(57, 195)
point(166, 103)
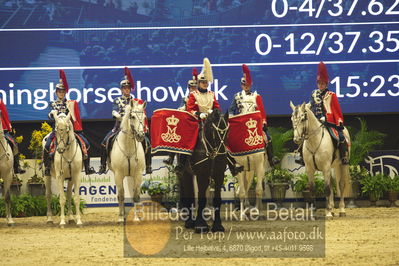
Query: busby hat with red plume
point(206, 72)
point(194, 82)
point(322, 74)
point(128, 81)
point(246, 79)
point(63, 85)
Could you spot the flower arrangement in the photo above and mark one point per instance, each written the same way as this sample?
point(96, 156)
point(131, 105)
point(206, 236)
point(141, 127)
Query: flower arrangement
point(36, 139)
point(35, 146)
point(154, 187)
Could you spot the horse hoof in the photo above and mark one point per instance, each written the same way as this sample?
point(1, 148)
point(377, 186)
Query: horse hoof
point(80, 225)
point(217, 228)
point(329, 218)
point(11, 224)
point(49, 222)
point(62, 226)
point(342, 214)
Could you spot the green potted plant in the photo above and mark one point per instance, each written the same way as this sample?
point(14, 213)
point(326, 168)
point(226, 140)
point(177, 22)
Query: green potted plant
point(392, 186)
point(36, 185)
point(374, 187)
point(357, 173)
point(301, 185)
point(279, 181)
point(156, 189)
point(280, 137)
point(363, 141)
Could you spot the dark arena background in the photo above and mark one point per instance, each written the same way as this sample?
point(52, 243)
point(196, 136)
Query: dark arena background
point(281, 41)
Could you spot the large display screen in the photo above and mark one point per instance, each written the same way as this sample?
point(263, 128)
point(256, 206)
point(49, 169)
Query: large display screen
point(281, 41)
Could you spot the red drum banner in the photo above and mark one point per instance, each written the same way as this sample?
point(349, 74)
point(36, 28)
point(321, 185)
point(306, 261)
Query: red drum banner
point(246, 134)
point(173, 131)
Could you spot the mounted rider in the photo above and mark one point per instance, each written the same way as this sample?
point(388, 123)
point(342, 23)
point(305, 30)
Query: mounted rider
point(62, 105)
point(324, 104)
point(248, 101)
point(192, 86)
point(118, 111)
point(7, 129)
point(201, 103)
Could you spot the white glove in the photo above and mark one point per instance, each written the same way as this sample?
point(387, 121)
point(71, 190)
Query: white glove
point(116, 115)
point(323, 119)
point(53, 114)
point(203, 115)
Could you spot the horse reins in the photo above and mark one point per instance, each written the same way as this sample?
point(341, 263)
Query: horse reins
point(134, 136)
point(67, 144)
point(306, 135)
point(215, 151)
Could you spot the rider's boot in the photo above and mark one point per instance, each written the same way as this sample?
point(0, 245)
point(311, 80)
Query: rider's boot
point(343, 152)
point(88, 170)
point(103, 167)
point(170, 159)
point(46, 162)
point(273, 160)
point(17, 167)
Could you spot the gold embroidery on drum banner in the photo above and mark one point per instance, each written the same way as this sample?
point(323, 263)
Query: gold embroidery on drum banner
point(171, 135)
point(253, 139)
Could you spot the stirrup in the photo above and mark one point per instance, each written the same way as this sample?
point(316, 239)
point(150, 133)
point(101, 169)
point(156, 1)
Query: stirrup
point(275, 161)
point(90, 171)
point(300, 161)
point(102, 170)
point(47, 171)
point(148, 170)
point(179, 169)
point(168, 161)
point(19, 170)
point(236, 170)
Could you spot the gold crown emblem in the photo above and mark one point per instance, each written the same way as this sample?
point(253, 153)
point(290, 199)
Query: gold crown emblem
point(251, 123)
point(172, 120)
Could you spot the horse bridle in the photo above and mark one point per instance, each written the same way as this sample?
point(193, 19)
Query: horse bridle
point(221, 134)
point(135, 132)
point(305, 132)
point(66, 143)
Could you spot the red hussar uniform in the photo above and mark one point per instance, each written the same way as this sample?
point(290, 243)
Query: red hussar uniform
point(62, 105)
point(325, 106)
point(247, 101)
point(5, 120)
point(118, 111)
point(201, 103)
point(7, 129)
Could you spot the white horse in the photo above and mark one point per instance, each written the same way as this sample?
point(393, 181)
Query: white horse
point(6, 172)
point(256, 163)
point(320, 154)
point(127, 154)
point(67, 165)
